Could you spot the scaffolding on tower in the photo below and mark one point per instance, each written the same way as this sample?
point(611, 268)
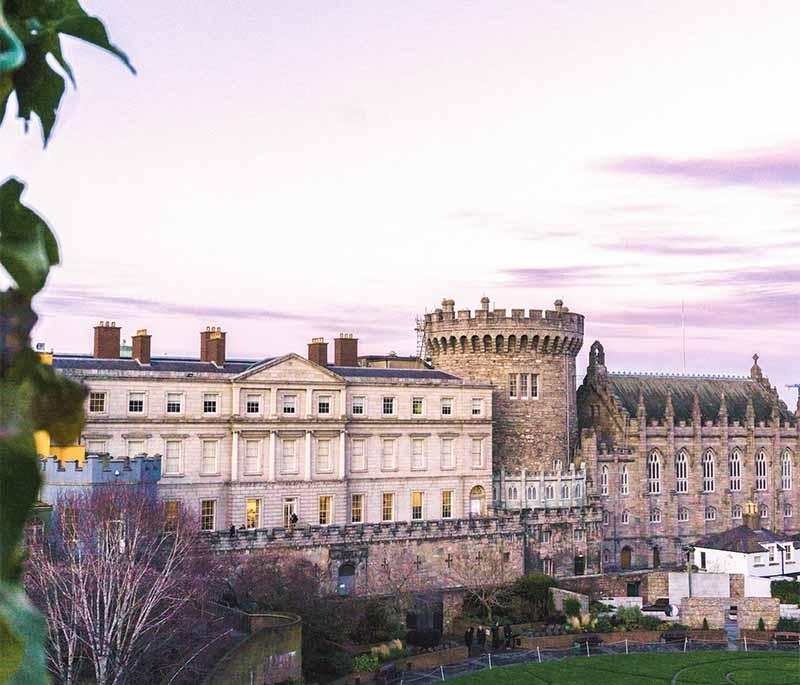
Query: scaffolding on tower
point(420, 328)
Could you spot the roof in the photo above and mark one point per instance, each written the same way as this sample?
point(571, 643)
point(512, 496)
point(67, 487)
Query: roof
point(380, 372)
point(82, 362)
point(654, 387)
point(741, 539)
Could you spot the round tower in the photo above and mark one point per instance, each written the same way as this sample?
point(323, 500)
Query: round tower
point(529, 357)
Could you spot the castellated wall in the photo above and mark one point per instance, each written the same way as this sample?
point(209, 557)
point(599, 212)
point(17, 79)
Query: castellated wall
point(529, 433)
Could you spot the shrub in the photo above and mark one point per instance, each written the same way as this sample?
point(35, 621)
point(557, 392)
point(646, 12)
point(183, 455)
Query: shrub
point(787, 591)
point(630, 617)
point(600, 608)
point(603, 625)
point(572, 607)
point(335, 663)
point(789, 625)
point(533, 593)
point(761, 626)
point(705, 623)
point(365, 663)
point(650, 623)
point(424, 638)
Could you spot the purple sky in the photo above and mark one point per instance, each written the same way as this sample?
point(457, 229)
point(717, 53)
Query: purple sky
point(287, 169)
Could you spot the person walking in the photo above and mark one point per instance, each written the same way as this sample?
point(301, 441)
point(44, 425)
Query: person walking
point(469, 635)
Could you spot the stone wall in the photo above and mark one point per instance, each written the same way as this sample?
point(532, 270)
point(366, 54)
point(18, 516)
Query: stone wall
point(452, 608)
point(712, 609)
point(560, 596)
point(614, 585)
point(750, 609)
point(737, 585)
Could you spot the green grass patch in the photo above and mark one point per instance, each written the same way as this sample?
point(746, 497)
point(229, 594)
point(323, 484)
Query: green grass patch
point(699, 668)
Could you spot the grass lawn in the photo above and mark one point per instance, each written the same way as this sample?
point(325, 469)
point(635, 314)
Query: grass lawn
point(699, 668)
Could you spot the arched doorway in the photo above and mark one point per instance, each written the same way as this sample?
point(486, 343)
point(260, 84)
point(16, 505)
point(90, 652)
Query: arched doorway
point(656, 557)
point(477, 501)
point(625, 558)
point(347, 580)
point(580, 565)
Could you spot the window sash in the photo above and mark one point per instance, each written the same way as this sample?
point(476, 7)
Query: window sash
point(208, 514)
point(325, 510)
point(447, 407)
point(447, 504)
point(357, 406)
point(417, 500)
point(97, 402)
point(388, 453)
point(173, 455)
point(210, 403)
point(252, 404)
point(252, 513)
point(136, 447)
point(289, 455)
point(512, 385)
point(136, 403)
point(174, 403)
point(447, 447)
point(387, 506)
point(209, 461)
point(252, 456)
point(417, 406)
point(388, 406)
point(324, 405)
point(358, 454)
point(324, 455)
point(357, 509)
point(477, 407)
point(289, 404)
point(418, 453)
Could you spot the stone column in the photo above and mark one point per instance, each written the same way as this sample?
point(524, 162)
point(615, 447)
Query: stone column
point(342, 445)
point(272, 461)
point(309, 402)
point(273, 400)
point(235, 456)
point(307, 472)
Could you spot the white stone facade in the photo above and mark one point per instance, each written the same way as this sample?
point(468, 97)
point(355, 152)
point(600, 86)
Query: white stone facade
point(336, 445)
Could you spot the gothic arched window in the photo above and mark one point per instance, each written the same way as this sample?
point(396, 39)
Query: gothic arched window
point(654, 473)
point(711, 514)
point(624, 481)
point(786, 470)
point(735, 470)
point(708, 471)
point(604, 480)
point(761, 471)
point(681, 472)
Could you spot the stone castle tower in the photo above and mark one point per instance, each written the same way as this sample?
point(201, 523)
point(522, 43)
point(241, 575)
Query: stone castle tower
point(530, 359)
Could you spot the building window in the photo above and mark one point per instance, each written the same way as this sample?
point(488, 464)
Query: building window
point(578, 534)
point(252, 456)
point(387, 507)
point(172, 457)
point(418, 453)
point(703, 560)
point(549, 492)
point(210, 403)
point(735, 470)
point(96, 447)
point(708, 471)
point(136, 403)
point(683, 514)
point(547, 567)
point(324, 463)
point(324, 405)
point(577, 490)
point(534, 386)
point(289, 404)
point(209, 462)
point(761, 471)
point(710, 514)
point(417, 406)
point(565, 491)
point(358, 461)
point(625, 518)
point(289, 510)
point(477, 453)
point(97, 402)
point(606, 518)
point(787, 511)
point(208, 514)
point(357, 509)
point(477, 407)
point(253, 404)
point(388, 455)
point(623, 481)
point(447, 407)
point(681, 473)
point(531, 492)
point(136, 447)
point(448, 457)
point(388, 406)
point(325, 510)
point(736, 512)
point(252, 513)
point(512, 492)
point(174, 403)
point(786, 470)
point(771, 554)
point(289, 453)
point(416, 506)
point(170, 515)
point(546, 536)
point(655, 516)
point(512, 385)
point(654, 473)
point(787, 549)
point(604, 480)
point(523, 386)
point(447, 504)
point(357, 406)
point(763, 511)
point(758, 560)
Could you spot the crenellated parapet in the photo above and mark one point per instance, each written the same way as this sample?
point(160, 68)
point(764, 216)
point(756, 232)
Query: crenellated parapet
point(100, 469)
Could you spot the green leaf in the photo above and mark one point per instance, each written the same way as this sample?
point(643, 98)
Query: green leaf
point(92, 30)
point(39, 90)
point(23, 660)
point(28, 247)
point(18, 465)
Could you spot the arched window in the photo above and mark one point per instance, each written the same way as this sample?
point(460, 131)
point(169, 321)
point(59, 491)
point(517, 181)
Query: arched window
point(604, 480)
point(512, 492)
point(736, 512)
point(735, 470)
point(711, 514)
point(531, 492)
point(347, 579)
point(654, 473)
point(577, 490)
point(548, 492)
point(708, 471)
point(565, 491)
point(786, 470)
point(763, 511)
point(606, 518)
point(761, 471)
point(655, 516)
point(681, 473)
point(787, 511)
point(623, 481)
point(625, 518)
point(683, 514)
point(606, 556)
point(557, 465)
point(656, 557)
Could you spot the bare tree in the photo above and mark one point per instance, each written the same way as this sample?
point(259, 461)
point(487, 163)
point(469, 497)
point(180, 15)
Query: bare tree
point(400, 575)
point(484, 573)
point(114, 574)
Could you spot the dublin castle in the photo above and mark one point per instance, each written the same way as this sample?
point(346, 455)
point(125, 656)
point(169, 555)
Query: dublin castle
point(485, 442)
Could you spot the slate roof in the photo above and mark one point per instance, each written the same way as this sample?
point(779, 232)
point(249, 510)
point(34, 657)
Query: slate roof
point(741, 539)
point(81, 362)
point(377, 372)
point(627, 386)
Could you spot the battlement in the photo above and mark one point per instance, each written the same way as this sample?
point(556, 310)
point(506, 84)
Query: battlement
point(100, 469)
point(556, 331)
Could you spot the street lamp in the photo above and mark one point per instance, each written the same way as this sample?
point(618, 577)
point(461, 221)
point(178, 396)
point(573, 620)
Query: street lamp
point(689, 549)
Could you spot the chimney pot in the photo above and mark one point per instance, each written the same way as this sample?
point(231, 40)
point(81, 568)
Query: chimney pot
point(140, 344)
point(212, 345)
point(106, 341)
point(345, 350)
point(318, 351)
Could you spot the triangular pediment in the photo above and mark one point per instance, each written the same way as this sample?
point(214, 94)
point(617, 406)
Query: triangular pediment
point(289, 367)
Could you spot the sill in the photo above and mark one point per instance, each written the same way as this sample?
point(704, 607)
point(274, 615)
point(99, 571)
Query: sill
point(210, 475)
point(173, 475)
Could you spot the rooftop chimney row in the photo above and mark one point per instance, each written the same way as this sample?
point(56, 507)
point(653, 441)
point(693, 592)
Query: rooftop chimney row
point(345, 350)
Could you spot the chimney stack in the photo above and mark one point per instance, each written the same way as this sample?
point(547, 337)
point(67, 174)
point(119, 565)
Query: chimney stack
point(141, 346)
point(751, 516)
point(106, 340)
point(345, 350)
point(212, 345)
point(318, 351)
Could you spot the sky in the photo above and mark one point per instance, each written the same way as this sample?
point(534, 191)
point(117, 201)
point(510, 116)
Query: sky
point(286, 170)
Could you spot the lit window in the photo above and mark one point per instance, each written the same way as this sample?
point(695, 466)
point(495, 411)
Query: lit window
point(448, 457)
point(761, 471)
point(388, 406)
point(683, 514)
point(655, 516)
point(289, 510)
point(357, 407)
point(388, 453)
point(786, 470)
point(418, 453)
point(477, 407)
point(252, 456)
point(604, 480)
point(358, 460)
point(736, 512)
point(387, 508)
point(534, 386)
point(136, 403)
point(289, 404)
point(174, 403)
point(681, 473)
point(417, 406)
point(710, 514)
point(477, 453)
point(735, 470)
point(252, 513)
point(625, 518)
point(356, 508)
point(708, 471)
point(210, 403)
point(253, 404)
point(170, 515)
point(512, 385)
point(97, 402)
point(172, 457)
point(324, 463)
point(289, 456)
point(324, 405)
point(325, 510)
point(209, 464)
point(523, 386)
point(624, 481)
point(208, 514)
point(447, 504)
point(416, 506)
point(447, 407)
point(654, 473)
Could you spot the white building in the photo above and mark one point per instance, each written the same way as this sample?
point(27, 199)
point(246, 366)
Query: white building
point(250, 443)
